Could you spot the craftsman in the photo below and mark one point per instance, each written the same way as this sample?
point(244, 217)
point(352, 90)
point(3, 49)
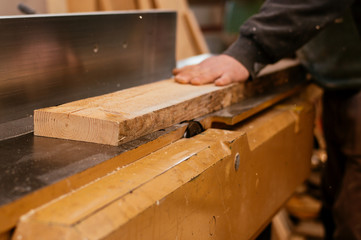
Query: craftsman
point(327, 35)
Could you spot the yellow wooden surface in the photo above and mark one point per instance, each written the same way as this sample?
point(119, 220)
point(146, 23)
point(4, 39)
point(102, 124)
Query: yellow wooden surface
point(191, 188)
point(125, 115)
point(5, 236)
point(10, 213)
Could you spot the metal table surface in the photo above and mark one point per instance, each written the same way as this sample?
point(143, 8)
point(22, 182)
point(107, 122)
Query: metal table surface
point(28, 163)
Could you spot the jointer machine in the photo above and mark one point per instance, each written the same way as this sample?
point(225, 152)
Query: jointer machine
point(204, 164)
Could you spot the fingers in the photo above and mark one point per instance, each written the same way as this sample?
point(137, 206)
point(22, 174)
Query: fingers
point(226, 79)
point(223, 80)
point(204, 78)
point(195, 74)
point(222, 70)
point(195, 80)
point(176, 71)
point(182, 78)
point(184, 69)
point(185, 74)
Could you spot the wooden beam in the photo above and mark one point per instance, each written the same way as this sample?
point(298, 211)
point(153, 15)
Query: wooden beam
point(113, 5)
point(57, 6)
point(105, 5)
point(196, 32)
point(190, 41)
point(145, 4)
point(82, 5)
point(64, 6)
point(126, 115)
point(124, 5)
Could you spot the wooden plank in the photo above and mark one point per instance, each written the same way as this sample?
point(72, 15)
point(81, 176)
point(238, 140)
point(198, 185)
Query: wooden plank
point(145, 4)
point(82, 5)
point(190, 41)
point(128, 114)
point(220, 184)
point(57, 6)
point(113, 5)
point(124, 5)
point(64, 6)
point(179, 5)
point(196, 32)
point(105, 5)
point(185, 44)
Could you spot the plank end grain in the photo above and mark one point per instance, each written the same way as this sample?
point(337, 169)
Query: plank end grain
point(48, 123)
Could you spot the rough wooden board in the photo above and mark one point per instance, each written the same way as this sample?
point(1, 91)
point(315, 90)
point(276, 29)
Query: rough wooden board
point(191, 189)
point(128, 114)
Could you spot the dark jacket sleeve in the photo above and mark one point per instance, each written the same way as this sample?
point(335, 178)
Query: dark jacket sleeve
point(280, 28)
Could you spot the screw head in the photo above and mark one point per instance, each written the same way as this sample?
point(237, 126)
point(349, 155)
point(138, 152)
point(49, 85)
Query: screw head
point(237, 161)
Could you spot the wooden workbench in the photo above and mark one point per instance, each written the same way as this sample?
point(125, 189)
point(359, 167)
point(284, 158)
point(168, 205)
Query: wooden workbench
point(220, 184)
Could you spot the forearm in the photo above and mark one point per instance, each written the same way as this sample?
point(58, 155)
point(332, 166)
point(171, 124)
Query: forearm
point(281, 27)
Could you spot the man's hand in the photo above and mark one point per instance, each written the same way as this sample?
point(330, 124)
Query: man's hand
point(222, 70)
